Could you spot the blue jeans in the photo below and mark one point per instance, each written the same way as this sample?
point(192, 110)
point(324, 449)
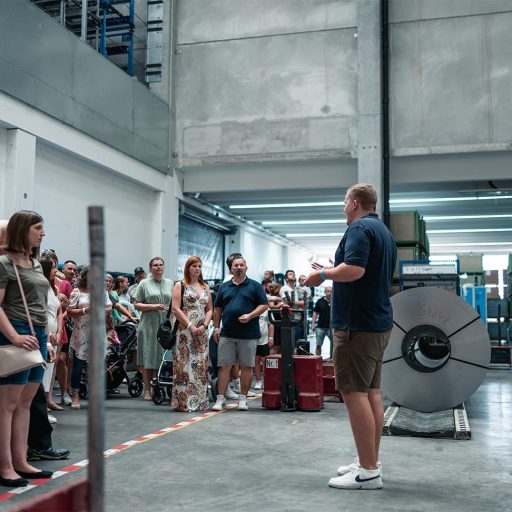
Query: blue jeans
point(320, 336)
point(33, 374)
point(76, 373)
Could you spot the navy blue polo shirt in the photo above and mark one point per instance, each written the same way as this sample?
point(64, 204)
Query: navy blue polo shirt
point(364, 305)
point(237, 300)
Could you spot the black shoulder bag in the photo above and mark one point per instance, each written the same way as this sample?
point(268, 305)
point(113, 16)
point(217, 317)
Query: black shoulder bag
point(167, 332)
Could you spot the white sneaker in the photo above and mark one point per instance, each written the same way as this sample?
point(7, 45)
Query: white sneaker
point(251, 394)
point(52, 419)
point(358, 479)
point(257, 386)
point(236, 385)
point(231, 395)
point(65, 399)
point(242, 404)
point(219, 404)
point(343, 470)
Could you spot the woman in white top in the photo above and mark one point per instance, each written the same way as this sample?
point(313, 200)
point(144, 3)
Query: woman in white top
point(54, 327)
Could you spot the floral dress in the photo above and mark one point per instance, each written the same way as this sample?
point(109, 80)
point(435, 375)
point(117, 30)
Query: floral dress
point(190, 357)
point(79, 341)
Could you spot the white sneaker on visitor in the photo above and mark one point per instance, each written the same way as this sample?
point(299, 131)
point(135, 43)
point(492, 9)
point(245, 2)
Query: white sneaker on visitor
point(231, 395)
point(242, 403)
point(251, 394)
point(343, 470)
point(52, 419)
point(359, 478)
point(219, 404)
point(257, 386)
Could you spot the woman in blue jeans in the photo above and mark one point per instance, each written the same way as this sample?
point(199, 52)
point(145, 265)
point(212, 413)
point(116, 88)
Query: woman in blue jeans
point(25, 231)
point(78, 309)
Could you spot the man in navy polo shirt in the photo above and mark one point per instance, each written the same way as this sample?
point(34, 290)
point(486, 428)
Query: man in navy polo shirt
point(361, 319)
point(239, 303)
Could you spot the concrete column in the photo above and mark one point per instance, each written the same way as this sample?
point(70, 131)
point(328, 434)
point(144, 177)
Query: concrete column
point(18, 177)
point(166, 226)
point(369, 145)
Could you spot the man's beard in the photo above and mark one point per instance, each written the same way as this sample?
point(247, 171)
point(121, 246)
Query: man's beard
point(238, 274)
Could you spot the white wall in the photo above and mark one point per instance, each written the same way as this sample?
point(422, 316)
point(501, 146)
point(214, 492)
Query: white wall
point(299, 261)
point(261, 254)
point(66, 185)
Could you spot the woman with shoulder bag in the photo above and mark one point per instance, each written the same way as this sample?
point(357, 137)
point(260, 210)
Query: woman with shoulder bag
point(25, 231)
point(190, 354)
point(152, 299)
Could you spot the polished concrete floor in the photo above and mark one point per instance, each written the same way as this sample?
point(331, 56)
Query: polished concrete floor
point(264, 460)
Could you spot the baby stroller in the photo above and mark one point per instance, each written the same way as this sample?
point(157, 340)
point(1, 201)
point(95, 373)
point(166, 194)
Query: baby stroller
point(163, 381)
point(115, 372)
point(117, 356)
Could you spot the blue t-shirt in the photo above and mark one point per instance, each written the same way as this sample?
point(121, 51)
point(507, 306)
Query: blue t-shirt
point(237, 300)
point(364, 304)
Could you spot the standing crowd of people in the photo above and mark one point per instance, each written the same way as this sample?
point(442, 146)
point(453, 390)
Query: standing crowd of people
point(47, 309)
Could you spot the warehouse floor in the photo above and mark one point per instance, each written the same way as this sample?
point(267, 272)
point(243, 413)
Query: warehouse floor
point(269, 460)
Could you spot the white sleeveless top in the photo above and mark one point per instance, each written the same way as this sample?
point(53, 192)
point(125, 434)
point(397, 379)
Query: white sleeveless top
point(53, 306)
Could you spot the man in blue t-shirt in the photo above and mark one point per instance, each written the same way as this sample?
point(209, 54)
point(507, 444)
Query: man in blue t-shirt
point(239, 303)
point(361, 319)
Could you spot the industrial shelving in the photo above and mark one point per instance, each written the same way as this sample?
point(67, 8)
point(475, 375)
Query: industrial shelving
point(107, 25)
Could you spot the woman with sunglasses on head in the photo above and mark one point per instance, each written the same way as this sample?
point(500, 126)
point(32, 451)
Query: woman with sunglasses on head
point(190, 361)
point(152, 299)
point(25, 231)
point(78, 309)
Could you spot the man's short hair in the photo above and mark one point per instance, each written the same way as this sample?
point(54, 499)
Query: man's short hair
point(287, 272)
point(239, 257)
point(365, 194)
point(69, 261)
point(231, 258)
point(267, 281)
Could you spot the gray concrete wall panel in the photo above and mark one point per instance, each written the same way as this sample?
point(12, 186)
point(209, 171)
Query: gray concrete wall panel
point(411, 10)
point(47, 67)
point(267, 96)
point(201, 21)
point(499, 40)
point(447, 78)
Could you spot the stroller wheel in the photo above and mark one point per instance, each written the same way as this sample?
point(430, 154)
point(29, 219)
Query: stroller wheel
point(82, 392)
point(135, 388)
point(158, 395)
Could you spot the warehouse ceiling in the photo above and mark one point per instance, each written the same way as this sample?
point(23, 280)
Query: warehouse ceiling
point(461, 217)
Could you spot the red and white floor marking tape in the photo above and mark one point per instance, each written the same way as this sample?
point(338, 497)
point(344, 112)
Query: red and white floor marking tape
point(117, 449)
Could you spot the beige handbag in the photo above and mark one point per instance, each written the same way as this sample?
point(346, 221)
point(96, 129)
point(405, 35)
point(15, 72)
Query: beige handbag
point(15, 359)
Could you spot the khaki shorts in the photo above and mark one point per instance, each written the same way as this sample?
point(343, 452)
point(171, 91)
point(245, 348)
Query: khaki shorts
point(231, 350)
point(358, 359)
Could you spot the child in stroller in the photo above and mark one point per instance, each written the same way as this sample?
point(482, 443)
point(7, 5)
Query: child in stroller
point(121, 344)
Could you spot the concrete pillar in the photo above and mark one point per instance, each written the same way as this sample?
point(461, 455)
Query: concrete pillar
point(369, 144)
point(17, 192)
point(166, 226)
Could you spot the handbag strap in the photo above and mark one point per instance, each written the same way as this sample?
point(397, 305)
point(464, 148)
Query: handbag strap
point(169, 311)
point(29, 318)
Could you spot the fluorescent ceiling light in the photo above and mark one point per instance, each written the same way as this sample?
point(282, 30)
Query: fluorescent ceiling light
point(405, 201)
point(297, 222)
point(465, 217)
point(479, 230)
point(314, 235)
point(283, 205)
point(470, 244)
point(446, 199)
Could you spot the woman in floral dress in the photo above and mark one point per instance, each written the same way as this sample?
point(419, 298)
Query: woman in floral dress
point(190, 354)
